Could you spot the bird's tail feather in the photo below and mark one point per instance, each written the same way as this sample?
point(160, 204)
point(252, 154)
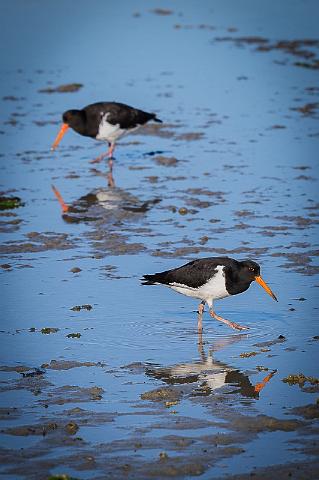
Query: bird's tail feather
point(149, 279)
point(157, 119)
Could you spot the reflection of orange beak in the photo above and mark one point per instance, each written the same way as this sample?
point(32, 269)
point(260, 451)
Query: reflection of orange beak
point(259, 386)
point(58, 195)
point(265, 286)
point(60, 135)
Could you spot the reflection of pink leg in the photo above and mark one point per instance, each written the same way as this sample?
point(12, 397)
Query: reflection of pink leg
point(58, 195)
point(110, 179)
point(200, 346)
point(233, 325)
point(111, 150)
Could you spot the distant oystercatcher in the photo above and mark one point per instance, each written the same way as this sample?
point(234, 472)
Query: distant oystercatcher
point(210, 279)
point(105, 121)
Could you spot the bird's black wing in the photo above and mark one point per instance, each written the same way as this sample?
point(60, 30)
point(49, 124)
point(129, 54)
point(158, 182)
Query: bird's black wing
point(193, 274)
point(119, 113)
point(128, 117)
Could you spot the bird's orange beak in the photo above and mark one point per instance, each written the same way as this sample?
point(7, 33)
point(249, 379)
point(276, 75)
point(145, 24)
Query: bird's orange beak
point(60, 135)
point(265, 286)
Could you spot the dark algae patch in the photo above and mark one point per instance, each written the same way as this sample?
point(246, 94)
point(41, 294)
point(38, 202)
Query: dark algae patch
point(296, 470)
point(71, 428)
point(248, 354)
point(307, 411)
point(27, 430)
point(161, 394)
point(48, 330)
point(33, 373)
point(15, 368)
point(68, 364)
point(162, 11)
point(300, 379)
point(78, 308)
point(73, 394)
point(8, 203)
point(307, 109)
point(66, 88)
point(166, 161)
point(264, 423)
point(38, 242)
point(305, 49)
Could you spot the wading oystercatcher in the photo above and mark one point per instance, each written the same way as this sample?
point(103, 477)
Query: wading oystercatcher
point(105, 121)
point(210, 279)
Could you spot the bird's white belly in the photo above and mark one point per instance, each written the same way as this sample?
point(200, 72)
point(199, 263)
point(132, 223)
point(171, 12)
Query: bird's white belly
point(214, 375)
point(214, 289)
point(110, 133)
point(215, 380)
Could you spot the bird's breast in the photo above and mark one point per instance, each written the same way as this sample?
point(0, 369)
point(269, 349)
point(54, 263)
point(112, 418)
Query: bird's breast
point(215, 287)
point(107, 131)
point(212, 289)
point(111, 132)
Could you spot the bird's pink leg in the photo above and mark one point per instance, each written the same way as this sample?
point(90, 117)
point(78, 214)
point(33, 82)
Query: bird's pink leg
point(201, 308)
point(108, 154)
point(200, 311)
point(233, 325)
point(100, 158)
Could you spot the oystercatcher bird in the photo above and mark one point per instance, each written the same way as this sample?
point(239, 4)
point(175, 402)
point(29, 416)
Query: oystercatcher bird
point(210, 279)
point(105, 121)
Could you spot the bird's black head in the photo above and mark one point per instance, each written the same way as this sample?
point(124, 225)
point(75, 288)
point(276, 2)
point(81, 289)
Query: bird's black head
point(74, 119)
point(249, 270)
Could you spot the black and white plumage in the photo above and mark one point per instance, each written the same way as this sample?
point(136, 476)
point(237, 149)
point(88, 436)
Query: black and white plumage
point(105, 121)
point(209, 279)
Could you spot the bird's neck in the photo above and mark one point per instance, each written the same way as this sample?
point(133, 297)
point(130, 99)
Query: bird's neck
point(235, 284)
point(79, 123)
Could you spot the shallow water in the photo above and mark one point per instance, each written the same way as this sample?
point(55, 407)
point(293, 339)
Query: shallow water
point(232, 171)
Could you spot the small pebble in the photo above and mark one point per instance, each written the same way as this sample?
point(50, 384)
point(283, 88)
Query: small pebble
point(75, 270)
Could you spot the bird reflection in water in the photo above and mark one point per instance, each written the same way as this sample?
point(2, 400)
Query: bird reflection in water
point(103, 205)
point(210, 374)
point(84, 202)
